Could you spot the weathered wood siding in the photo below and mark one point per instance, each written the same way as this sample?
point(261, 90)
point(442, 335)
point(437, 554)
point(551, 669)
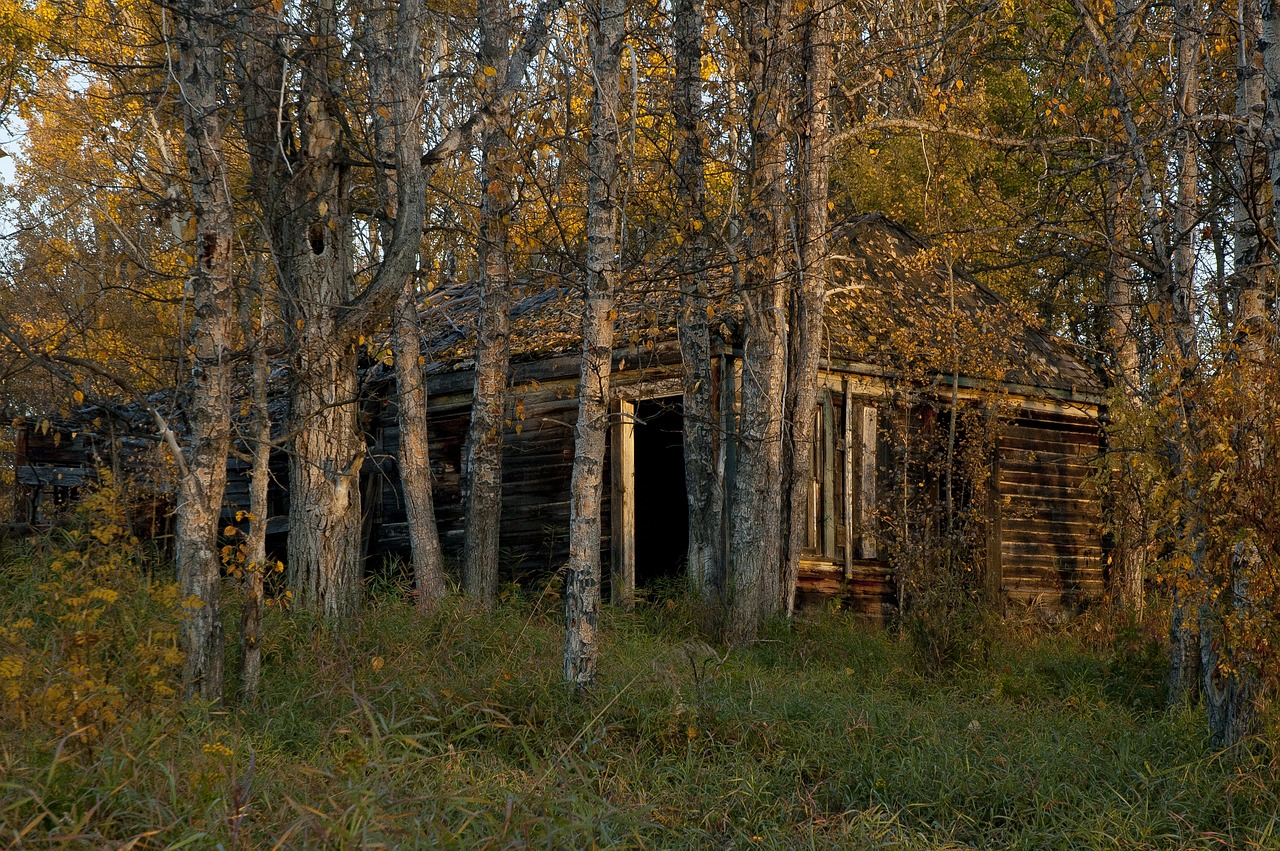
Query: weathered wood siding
point(1051, 516)
point(537, 460)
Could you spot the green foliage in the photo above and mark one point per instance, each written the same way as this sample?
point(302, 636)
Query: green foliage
point(455, 730)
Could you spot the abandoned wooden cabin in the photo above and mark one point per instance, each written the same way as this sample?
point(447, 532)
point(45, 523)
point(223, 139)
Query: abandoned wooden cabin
point(908, 340)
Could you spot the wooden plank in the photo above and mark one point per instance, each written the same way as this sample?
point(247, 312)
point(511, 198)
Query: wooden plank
point(828, 476)
point(1027, 565)
point(1056, 423)
point(1089, 538)
point(1045, 445)
point(1020, 549)
point(1019, 430)
point(1045, 490)
point(869, 433)
point(1047, 474)
point(847, 502)
point(622, 586)
point(994, 579)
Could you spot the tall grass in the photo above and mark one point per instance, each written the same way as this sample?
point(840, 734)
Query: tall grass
point(454, 731)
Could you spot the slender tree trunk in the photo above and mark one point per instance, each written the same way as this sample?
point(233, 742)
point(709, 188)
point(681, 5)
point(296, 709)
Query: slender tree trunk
point(1130, 530)
point(1230, 687)
point(485, 438)
point(1128, 505)
point(256, 567)
point(606, 20)
point(393, 72)
point(755, 537)
point(415, 463)
point(200, 36)
point(809, 298)
point(705, 568)
point(1180, 305)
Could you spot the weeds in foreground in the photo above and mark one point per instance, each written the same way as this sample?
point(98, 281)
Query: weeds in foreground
point(445, 731)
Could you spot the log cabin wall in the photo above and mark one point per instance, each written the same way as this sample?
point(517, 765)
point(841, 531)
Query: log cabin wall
point(537, 459)
point(1050, 513)
point(1042, 510)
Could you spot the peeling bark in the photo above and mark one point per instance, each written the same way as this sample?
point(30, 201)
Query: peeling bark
point(809, 296)
point(755, 536)
point(704, 563)
point(606, 21)
point(485, 437)
point(200, 36)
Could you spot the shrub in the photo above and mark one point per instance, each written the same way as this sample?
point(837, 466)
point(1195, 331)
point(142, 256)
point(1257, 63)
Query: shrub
point(92, 636)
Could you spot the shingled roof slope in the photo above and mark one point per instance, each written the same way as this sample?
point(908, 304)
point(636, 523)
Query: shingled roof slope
point(890, 306)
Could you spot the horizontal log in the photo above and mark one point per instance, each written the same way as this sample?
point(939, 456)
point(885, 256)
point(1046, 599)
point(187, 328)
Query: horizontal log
point(1045, 490)
point(1060, 425)
point(1019, 549)
point(1027, 474)
point(1087, 585)
point(1052, 540)
point(1084, 437)
point(1031, 565)
point(1051, 449)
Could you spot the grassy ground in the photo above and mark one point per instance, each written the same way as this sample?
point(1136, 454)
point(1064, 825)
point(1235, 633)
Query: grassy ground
point(454, 731)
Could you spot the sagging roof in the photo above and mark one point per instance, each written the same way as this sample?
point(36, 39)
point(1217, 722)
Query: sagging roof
point(896, 303)
point(895, 306)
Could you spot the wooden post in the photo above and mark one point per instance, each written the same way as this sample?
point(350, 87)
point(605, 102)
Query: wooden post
point(995, 569)
point(868, 438)
point(847, 504)
point(828, 477)
point(622, 581)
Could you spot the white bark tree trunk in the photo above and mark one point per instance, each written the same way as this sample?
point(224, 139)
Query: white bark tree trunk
point(606, 21)
point(485, 437)
point(200, 35)
point(809, 297)
point(705, 563)
point(755, 531)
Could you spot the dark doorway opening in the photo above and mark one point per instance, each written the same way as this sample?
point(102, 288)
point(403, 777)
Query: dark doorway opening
point(662, 508)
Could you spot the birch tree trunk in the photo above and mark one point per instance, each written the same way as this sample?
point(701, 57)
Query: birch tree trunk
point(1230, 687)
point(1131, 533)
point(755, 536)
point(704, 563)
point(252, 591)
point(1180, 304)
point(1130, 528)
point(393, 70)
point(200, 35)
point(809, 297)
point(485, 438)
point(429, 581)
point(606, 21)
